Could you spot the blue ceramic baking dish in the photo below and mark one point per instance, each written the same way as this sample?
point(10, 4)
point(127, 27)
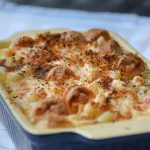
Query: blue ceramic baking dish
point(124, 135)
point(67, 141)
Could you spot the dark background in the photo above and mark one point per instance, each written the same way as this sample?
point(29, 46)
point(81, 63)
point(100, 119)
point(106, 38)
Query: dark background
point(141, 7)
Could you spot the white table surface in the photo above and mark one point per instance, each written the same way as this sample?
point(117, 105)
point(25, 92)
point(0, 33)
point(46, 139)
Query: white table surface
point(13, 18)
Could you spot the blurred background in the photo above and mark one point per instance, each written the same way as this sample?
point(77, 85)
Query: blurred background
point(129, 18)
point(141, 7)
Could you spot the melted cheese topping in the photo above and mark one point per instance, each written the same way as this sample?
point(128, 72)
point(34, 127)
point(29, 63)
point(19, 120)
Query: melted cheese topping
point(74, 78)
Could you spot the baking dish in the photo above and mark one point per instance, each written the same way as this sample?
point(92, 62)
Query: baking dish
point(125, 134)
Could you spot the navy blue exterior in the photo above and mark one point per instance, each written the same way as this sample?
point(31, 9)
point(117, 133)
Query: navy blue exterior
point(67, 141)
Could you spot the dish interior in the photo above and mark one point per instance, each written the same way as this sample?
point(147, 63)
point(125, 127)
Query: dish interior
point(92, 83)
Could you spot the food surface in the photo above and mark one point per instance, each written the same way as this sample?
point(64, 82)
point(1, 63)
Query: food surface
point(74, 78)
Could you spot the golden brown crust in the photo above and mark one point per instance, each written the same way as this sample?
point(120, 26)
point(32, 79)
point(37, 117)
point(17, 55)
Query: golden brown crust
point(24, 41)
point(109, 47)
point(77, 96)
point(94, 34)
point(74, 73)
point(130, 66)
point(59, 74)
point(50, 105)
point(73, 36)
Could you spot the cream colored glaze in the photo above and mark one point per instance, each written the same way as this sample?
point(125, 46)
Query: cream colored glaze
point(99, 131)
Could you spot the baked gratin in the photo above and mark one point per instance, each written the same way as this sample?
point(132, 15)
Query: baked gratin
point(74, 78)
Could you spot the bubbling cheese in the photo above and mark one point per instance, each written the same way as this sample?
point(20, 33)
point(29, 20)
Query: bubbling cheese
point(73, 78)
